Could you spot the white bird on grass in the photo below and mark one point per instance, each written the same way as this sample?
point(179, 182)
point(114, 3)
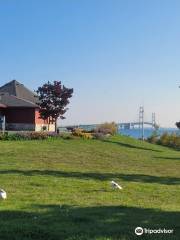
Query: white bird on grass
point(3, 194)
point(115, 185)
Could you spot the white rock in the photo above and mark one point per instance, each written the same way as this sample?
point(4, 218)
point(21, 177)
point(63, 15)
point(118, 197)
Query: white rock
point(3, 194)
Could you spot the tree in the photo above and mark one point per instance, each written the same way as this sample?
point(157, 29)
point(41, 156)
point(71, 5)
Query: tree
point(178, 125)
point(53, 99)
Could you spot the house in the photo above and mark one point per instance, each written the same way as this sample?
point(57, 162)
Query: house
point(19, 110)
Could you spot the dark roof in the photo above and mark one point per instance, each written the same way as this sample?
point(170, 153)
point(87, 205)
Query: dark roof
point(13, 101)
point(19, 90)
point(15, 94)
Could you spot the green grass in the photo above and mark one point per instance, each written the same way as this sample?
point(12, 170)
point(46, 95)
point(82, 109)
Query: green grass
point(60, 189)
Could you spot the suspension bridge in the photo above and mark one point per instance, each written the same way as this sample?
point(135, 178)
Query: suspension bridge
point(141, 123)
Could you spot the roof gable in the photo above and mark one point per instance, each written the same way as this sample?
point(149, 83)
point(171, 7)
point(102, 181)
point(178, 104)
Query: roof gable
point(15, 94)
point(13, 101)
point(19, 90)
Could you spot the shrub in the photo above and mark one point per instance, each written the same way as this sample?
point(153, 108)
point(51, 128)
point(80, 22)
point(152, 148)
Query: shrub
point(99, 135)
point(87, 135)
point(170, 140)
point(107, 128)
point(154, 138)
point(44, 135)
point(7, 136)
point(17, 136)
point(66, 136)
point(3, 136)
point(38, 135)
point(167, 140)
point(78, 132)
point(177, 143)
point(164, 139)
point(24, 136)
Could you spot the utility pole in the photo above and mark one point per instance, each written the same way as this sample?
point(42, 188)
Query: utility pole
point(141, 121)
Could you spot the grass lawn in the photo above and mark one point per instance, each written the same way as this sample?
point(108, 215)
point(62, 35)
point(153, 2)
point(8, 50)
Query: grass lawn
point(60, 189)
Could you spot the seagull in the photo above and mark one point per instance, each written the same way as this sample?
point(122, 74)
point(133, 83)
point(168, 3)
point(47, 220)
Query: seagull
point(115, 185)
point(3, 194)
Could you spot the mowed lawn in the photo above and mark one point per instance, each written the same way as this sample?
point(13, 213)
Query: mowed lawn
point(60, 189)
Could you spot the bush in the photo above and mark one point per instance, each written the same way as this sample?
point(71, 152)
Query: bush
point(154, 138)
point(38, 135)
point(66, 136)
point(45, 135)
point(78, 132)
point(24, 136)
point(3, 136)
point(107, 128)
point(170, 140)
point(16, 136)
point(177, 143)
point(165, 139)
point(99, 136)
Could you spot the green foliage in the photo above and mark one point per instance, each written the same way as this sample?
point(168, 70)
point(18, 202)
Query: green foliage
point(25, 136)
point(107, 128)
point(4, 136)
point(44, 135)
point(154, 138)
point(168, 140)
point(65, 136)
point(165, 139)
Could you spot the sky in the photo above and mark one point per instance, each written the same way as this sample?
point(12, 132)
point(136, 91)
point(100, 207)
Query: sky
point(118, 55)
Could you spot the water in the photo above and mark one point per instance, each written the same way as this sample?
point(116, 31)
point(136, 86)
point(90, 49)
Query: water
point(136, 133)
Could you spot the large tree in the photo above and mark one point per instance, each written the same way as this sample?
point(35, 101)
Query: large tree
point(53, 99)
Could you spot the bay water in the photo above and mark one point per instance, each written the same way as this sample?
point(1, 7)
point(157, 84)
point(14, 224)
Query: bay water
point(137, 133)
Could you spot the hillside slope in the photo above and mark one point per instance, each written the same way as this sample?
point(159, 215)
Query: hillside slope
point(60, 189)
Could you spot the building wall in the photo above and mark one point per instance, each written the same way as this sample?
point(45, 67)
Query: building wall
point(38, 119)
point(48, 127)
point(41, 124)
point(26, 119)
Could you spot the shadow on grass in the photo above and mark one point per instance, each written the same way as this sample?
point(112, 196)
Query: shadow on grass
point(97, 176)
point(168, 158)
point(131, 146)
point(53, 222)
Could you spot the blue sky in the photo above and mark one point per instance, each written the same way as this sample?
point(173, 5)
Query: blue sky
point(116, 54)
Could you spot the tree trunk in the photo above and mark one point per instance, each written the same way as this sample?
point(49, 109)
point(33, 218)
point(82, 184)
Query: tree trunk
point(48, 123)
point(56, 125)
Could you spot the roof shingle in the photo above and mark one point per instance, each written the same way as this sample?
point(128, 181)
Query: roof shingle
point(15, 94)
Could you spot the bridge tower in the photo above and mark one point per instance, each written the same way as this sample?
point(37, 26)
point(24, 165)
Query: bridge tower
point(153, 119)
point(141, 121)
